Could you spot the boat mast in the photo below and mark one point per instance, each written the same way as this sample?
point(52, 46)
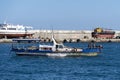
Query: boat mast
point(54, 41)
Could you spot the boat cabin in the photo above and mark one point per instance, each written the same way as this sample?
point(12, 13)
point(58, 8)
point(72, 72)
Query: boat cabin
point(25, 44)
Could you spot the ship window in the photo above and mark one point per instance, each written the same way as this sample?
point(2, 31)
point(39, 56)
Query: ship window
point(60, 46)
point(11, 28)
point(3, 28)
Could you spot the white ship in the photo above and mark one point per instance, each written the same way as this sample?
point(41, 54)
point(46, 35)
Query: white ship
point(14, 31)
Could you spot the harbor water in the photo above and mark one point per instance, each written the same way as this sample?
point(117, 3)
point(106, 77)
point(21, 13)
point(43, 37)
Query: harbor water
point(105, 66)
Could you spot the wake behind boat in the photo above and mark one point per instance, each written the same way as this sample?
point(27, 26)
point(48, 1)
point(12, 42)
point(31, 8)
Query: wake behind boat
point(33, 47)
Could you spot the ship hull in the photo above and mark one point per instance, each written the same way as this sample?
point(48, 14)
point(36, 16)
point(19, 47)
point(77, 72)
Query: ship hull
point(85, 52)
point(58, 54)
point(14, 35)
point(103, 35)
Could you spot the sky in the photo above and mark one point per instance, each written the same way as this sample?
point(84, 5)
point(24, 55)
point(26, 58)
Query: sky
point(62, 14)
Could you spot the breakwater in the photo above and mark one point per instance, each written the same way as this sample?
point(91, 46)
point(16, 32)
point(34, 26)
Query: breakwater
point(71, 36)
point(62, 35)
point(67, 36)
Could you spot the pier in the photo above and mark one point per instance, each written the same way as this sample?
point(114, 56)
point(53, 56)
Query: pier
point(72, 36)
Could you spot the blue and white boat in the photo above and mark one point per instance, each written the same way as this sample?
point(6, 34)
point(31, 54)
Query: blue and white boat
point(33, 47)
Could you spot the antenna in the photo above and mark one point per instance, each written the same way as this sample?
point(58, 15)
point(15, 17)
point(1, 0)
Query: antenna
point(5, 21)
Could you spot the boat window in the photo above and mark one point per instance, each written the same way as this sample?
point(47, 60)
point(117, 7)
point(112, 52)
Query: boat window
point(3, 28)
point(46, 48)
point(11, 28)
point(29, 28)
point(60, 46)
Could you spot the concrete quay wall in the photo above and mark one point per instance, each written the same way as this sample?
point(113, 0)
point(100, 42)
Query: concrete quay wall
point(62, 34)
point(71, 35)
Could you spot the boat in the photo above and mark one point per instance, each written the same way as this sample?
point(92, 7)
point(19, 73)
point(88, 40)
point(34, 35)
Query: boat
point(34, 47)
point(103, 33)
point(14, 31)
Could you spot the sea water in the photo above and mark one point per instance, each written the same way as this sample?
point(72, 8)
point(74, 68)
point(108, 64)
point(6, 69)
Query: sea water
point(106, 66)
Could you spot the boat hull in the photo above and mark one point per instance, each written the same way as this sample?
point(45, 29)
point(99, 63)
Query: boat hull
point(103, 35)
point(15, 35)
point(57, 54)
